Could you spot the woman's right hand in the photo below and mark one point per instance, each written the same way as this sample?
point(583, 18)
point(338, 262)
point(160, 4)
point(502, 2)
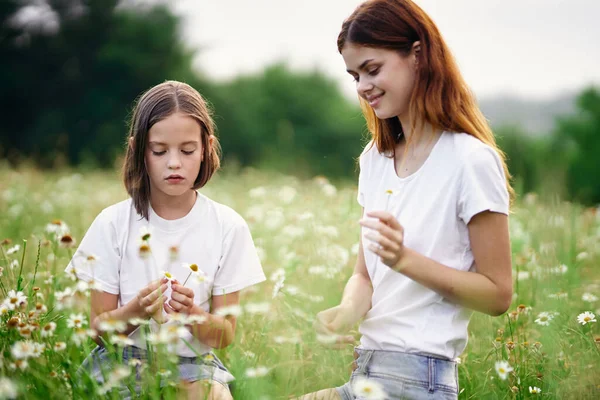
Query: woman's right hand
point(151, 299)
point(336, 321)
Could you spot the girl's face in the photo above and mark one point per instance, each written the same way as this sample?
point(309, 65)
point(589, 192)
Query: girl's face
point(173, 155)
point(384, 78)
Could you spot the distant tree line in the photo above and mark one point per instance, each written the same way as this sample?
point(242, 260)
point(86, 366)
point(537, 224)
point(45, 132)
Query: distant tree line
point(71, 70)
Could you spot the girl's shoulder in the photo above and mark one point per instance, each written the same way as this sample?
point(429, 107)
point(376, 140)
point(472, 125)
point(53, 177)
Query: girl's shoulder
point(118, 212)
point(220, 213)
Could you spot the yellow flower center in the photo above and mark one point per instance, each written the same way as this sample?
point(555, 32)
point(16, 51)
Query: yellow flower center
point(502, 370)
point(146, 236)
point(587, 319)
point(168, 275)
point(368, 390)
point(194, 267)
point(389, 191)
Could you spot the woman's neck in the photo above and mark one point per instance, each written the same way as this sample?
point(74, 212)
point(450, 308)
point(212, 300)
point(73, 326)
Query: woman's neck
point(173, 207)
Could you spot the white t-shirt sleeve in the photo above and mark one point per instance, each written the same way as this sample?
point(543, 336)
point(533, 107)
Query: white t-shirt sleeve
point(97, 257)
point(482, 184)
point(239, 266)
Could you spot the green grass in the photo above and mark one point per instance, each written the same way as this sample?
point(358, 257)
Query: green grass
point(297, 225)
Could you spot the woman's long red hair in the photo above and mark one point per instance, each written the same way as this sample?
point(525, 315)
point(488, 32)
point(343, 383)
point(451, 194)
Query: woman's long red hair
point(440, 98)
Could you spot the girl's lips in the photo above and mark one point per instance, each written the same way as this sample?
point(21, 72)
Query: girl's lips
point(174, 179)
point(374, 101)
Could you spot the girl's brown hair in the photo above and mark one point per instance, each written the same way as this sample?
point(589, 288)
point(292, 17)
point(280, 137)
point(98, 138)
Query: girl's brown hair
point(153, 106)
point(440, 97)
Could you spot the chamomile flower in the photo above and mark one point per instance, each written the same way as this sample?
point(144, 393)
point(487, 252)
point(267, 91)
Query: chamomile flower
point(234, 310)
point(257, 372)
point(258, 308)
point(586, 318)
point(23, 350)
point(15, 299)
point(145, 233)
point(192, 269)
point(67, 241)
point(76, 321)
point(144, 251)
point(544, 318)
point(60, 346)
point(589, 297)
point(13, 250)
point(503, 368)
point(112, 325)
point(8, 390)
point(168, 276)
point(121, 340)
point(368, 389)
point(535, 390)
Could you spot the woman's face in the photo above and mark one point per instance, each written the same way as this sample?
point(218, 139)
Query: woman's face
point(384, 78)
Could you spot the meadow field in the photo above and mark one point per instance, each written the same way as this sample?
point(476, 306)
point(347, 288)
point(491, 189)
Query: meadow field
point(546, 346)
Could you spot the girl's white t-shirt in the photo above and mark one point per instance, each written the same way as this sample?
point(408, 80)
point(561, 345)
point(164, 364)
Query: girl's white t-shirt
point(211, 235)
point(461, 177)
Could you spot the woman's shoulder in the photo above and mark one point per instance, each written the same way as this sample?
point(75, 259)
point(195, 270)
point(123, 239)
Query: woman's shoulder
point(467, 149)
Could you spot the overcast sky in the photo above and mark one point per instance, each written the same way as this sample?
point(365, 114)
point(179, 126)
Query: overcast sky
point(531, 48)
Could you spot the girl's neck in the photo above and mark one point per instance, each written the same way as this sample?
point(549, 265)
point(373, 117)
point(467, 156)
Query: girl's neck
point(173, 207)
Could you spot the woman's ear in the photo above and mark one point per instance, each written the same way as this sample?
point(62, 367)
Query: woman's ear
point(416, 51)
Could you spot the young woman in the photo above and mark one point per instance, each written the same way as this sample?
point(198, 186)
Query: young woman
point(435, 195)
point(134, 250)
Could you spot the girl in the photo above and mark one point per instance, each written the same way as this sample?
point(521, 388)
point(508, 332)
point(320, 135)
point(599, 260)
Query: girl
point(167, 225)
point(435, 195)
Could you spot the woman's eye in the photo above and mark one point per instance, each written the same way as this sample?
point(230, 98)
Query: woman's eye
point(374, 71)
point(158, 153)
point(189, 153)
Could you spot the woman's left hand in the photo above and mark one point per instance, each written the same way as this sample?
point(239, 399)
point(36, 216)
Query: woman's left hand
point(387, 236)
point(182, 299)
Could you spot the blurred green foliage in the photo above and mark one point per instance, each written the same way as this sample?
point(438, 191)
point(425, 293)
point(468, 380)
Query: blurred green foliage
point(65, 97)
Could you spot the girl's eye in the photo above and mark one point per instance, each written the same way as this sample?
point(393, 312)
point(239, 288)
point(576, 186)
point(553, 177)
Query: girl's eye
point(188, 153)
point(374, 71)
point(158, 153)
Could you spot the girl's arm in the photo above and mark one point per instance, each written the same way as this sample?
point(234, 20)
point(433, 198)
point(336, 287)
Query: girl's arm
point(104, 307)
point(488, 289)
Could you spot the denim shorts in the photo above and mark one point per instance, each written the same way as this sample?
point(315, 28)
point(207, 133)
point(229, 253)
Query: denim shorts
point(404, 375)
point(191, 369)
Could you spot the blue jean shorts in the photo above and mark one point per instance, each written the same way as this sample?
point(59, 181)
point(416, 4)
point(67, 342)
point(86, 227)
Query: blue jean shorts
point(404, 375)
point(191, 369)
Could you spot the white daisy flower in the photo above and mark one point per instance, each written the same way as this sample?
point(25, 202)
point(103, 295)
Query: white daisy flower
point(60, 346)
point(589, 297)
point(168, 275)
point(535, 390)
point(544, 318)
point(503, 368)
point(145, 233)
point(112, 325)
point(19, 364)
point(257, 192)
point(586, 318)
point(257, 372)
point(258, 308)
point(23, 350)
point(234, 310)
point(13, 250)
point(15, 299)
point(48, 329)
point(367, 389)
point(287, 194)
point(76, 321)
point(8, 390)
point(121, 340)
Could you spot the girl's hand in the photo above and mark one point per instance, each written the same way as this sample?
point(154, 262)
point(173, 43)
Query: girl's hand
point(388, 237)
point(336, 321)
point(151, 299)
point(182, 299)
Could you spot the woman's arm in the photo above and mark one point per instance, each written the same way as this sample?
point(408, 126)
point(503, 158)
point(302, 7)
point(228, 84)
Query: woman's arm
point(355, 303)
point(488, 289)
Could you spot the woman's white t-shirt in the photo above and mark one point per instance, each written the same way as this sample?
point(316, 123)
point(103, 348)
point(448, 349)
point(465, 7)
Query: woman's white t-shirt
point(461, 177)
point(211, 235)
